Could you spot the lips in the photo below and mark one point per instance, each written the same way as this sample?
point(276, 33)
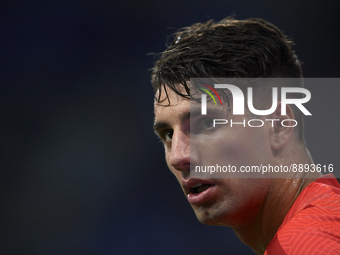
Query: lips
point(199, 187)
point(199, 191)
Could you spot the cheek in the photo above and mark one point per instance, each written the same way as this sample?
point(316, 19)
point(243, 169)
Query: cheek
point(167, 154)
point(172, 170)
point(234, 146)
point(241, 199)
point(167, 158)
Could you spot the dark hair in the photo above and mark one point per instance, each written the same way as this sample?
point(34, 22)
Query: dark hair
point(229, 48)
point(251, 48)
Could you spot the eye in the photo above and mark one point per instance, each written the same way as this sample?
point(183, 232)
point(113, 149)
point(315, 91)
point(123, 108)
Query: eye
point(208, 123)
point(203, 125)
point(166, 135)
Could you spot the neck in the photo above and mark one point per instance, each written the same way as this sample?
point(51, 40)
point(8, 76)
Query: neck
point(281, 195)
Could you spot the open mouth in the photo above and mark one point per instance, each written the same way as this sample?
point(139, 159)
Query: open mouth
point(201, 192)
point(199, 187)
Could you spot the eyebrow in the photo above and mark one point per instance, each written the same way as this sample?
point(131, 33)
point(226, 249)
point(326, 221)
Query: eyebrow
point(163, 124)
point(160, 125)
point(183, 118)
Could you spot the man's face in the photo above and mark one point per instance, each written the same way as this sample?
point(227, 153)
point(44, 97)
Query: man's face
point(215, 201)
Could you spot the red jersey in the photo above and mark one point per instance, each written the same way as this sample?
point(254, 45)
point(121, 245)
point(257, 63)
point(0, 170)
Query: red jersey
point(312, 225)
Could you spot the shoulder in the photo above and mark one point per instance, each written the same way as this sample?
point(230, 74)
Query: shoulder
point(312, 226)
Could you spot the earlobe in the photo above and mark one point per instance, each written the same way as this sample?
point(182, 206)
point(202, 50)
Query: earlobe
point(282, 129)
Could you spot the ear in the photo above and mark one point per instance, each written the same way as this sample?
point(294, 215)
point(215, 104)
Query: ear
point(280, 133)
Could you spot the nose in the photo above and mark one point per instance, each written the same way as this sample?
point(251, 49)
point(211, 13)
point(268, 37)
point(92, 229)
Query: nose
point(180, 152)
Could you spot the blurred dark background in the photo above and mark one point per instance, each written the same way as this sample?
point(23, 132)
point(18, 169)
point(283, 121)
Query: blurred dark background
point(81, 170)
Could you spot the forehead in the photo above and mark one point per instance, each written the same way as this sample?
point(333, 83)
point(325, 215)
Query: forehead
point(170, 106)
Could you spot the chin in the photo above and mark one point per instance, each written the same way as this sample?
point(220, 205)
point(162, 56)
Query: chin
point(207, 217)
point(210, 215)
point(212, 221)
